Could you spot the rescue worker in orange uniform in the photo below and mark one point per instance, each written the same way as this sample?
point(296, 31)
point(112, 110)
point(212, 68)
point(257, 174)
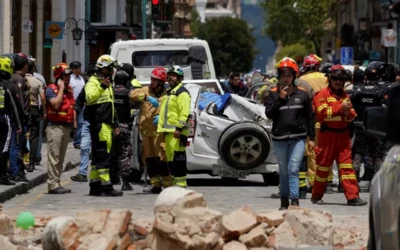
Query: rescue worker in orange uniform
point(317, 81)
point(334, 112)
point(150, 98)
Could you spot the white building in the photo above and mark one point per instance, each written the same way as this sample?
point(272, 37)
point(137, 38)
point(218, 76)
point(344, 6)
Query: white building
point(208, 9)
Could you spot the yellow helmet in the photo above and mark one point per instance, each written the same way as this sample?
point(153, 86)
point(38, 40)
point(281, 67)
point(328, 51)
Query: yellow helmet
point(6, 65)
point(106, 61)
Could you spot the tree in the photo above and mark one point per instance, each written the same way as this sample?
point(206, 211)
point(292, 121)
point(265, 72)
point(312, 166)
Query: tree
point(294, 51)
point(291, 21)
point(231, 42)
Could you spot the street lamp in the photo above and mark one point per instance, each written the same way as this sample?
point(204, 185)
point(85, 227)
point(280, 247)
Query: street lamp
point(81, 25)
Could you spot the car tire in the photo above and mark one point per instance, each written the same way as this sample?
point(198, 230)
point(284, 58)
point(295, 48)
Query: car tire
point(244, 146)
point(271, 179)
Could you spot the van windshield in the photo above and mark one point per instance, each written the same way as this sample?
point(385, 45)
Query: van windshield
point(157, 58)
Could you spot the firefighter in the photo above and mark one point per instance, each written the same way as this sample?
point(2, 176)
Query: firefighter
point(155, 159)
point(172, 122)
point(334, 112)
point(317, 81)
point(122, 144)
point(103, 120)
point(9, 116)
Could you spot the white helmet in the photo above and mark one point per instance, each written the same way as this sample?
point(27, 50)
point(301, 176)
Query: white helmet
point(106, 61)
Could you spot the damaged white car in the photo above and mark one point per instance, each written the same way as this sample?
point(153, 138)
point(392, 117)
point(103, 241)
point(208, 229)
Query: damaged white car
point(229, 135)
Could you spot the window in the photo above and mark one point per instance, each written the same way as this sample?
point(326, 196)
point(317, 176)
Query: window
point(210, 6)
point(97, 13)
point(160, 58)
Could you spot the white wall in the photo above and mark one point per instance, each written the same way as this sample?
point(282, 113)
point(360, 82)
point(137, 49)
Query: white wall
point(75, 9)
point(5, 26)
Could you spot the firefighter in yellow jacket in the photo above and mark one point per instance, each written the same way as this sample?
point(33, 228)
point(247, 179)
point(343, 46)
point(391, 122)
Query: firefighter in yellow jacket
point(172, 123)
point(155, 159)
point(102, 119)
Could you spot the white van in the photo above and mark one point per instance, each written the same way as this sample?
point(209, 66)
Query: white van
point(193, 55)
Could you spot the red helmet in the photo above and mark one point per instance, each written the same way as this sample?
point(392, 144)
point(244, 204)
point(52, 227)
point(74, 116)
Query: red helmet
point(160, 74)
point(60, 69)
point(312, 61)
point(287, 62)
point(337, 72)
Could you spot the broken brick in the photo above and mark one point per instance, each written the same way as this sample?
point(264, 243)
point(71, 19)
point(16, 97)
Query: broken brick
point(141, 230)
point(117, 222)
point(70, 236)
point(103, 243)
point(96, 219)
point(234, 245)
point(256, 237)
point(239, 222)
point(273, 219)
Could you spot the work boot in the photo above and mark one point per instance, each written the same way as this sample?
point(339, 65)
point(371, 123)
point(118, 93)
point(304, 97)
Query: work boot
point(356, 202)
point(126, 186)
point(5, 181)
point(284, 203)
point(317, 201)
point(295, 202)
point(79, 178)
point(328, 189)
point(152, 190)
point(340, 188)
point(95, 189)
point(276, 195)
point(303, 193)
point(59, 190)
point(112, 193)
point(30, 167)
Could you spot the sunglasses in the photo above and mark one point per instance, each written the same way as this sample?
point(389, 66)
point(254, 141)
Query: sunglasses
point(338, 78)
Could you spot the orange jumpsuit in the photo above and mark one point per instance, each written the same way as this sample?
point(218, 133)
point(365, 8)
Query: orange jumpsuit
point(334, 143)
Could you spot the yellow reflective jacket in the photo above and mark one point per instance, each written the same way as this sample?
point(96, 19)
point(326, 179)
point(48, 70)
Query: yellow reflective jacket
point(316, 80)
point(100, 102)
point(174, 110)
point(136, 84)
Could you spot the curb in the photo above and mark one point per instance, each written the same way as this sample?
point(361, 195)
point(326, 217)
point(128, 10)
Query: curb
point(22, 188)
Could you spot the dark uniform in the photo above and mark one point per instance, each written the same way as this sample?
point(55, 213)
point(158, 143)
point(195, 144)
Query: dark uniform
point(366, 145)
point(122, 144)
point(9, 116)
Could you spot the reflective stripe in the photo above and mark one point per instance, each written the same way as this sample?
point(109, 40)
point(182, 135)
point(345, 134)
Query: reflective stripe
point(349, 165)
point(166, 125)
point(302, 175)
point(289, 136)
point(334, 119)
point(141, 97)
point(2, 95)
point(320, 179)
point(292, 107)
point(94, 175)
point(331, 99)
point(329, 112)
point(180, 181)
point(167, 181)
point(156, 181)
point(183, 123)
point(324, 169)
point(317, 125)
point(320, 108)
point(348, 177)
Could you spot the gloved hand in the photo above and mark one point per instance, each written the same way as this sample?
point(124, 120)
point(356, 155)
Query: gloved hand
point(153, 101)
point(155, 119)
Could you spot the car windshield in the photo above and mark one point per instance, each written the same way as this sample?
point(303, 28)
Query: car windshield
point(160, 58)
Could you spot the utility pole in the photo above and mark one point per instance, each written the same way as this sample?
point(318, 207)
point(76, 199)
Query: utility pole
point(144, 21)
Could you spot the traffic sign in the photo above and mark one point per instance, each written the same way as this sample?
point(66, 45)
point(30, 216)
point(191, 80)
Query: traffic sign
point(346, 56)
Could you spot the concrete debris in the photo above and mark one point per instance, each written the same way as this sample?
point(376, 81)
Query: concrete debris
point(182, 221)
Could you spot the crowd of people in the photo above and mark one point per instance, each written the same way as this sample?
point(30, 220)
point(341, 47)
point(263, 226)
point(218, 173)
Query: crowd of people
point(97, 111)
point(317, 115)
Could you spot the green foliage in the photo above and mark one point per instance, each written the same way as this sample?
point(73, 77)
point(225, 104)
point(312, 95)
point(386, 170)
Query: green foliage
point(195, 23)
point(231, 42)
point(289, 21)
point(294, 51)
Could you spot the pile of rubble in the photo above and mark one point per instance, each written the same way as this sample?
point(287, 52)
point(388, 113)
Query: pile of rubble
point(182, 221)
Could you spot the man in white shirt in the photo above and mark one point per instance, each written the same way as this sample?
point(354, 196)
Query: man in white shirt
point(77, 83)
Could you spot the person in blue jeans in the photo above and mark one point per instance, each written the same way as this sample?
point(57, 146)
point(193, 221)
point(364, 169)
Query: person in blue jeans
point(86, 142)
point(290, 108)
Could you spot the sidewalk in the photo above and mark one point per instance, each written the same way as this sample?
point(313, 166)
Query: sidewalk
point(39, 176)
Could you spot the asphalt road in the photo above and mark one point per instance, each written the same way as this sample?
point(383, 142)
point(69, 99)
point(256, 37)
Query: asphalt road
point(218, 194)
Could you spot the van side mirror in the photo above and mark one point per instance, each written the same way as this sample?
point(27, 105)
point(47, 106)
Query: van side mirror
point(394, 114)
point(375, 121)
point(218, 67)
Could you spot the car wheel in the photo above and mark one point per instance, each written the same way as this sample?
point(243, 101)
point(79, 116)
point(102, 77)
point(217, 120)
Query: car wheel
point(271, 179)
point(244, 146)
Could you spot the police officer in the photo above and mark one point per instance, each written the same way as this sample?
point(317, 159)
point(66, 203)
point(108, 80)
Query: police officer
point(9, 115)
point(174, 114)
point(130, 70)
point(370, 94)
point(103, 120)
point(122, 145)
